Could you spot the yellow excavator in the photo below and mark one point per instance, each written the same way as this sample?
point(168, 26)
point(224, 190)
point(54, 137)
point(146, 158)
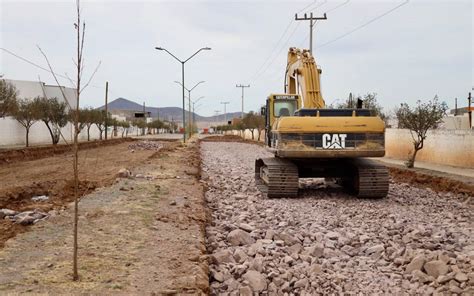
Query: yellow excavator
point(311, 141)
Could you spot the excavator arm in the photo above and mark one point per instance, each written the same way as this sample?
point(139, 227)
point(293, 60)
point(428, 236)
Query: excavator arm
point(303, 75)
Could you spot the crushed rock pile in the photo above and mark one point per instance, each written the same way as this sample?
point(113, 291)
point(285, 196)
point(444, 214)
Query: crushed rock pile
point(414, 242)
point(145, 145)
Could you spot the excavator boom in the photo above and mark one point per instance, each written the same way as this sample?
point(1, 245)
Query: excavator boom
point(303, 75)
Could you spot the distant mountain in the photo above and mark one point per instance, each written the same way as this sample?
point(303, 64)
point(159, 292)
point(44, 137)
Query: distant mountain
point(167, 113)
point(123, 104)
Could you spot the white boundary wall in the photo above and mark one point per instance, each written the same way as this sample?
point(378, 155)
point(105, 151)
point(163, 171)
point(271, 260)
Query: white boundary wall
point(13, 134)
point(446, 147)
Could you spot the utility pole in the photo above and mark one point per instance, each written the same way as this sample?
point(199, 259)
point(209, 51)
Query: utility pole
point(106, 110)
point(455, 106)
point(225, 112)
point(469, 110)
point(242, 86)
point(189, 116)
point(144, 119)
point(194, 113)
point(216, 117)
point(312, 21)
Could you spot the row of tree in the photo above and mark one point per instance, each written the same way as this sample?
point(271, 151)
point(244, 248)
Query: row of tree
point(55, 114)
point(251, 121)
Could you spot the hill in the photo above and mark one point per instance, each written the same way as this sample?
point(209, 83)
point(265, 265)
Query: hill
point(167, 113)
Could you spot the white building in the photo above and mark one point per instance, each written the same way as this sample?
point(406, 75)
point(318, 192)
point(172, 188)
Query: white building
point(14, 134)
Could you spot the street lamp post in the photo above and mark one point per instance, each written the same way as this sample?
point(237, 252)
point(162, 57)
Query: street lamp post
point(182, 79)
point(189, 102)
point(194, 114)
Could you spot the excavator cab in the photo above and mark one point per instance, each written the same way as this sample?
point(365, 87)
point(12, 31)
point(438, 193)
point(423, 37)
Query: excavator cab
point(278, 106)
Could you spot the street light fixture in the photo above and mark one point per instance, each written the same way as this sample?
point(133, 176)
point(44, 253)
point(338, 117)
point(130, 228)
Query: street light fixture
point(202, 97)
point(182, 78)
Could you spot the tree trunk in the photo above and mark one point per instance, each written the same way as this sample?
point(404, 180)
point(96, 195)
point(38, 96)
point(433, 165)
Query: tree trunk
point(252, 131)
point(50, 132)
point(88, 133)
point(411, 161)
point(56, 139)
point(27, 132)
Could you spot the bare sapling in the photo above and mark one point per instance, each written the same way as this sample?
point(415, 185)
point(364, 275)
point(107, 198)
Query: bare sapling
point(79, 87)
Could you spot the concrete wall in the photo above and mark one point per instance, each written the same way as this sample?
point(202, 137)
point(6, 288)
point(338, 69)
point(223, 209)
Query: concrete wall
point(13, 134)
point(456, 122)
point(446, 147)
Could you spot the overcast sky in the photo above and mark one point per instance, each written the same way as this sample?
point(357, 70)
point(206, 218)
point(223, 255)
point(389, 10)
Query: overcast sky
point(419, 50)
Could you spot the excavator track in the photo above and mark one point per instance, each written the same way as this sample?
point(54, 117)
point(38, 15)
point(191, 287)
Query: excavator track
point(370, 180)
point(276, 177)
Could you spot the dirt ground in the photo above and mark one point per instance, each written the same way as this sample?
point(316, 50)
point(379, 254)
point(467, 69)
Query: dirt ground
point(141, 235)
point(146, 234)
point(52, 176)
point(425, 178)
point(37, 152)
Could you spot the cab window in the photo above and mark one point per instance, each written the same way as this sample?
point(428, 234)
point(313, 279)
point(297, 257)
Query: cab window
point(284, 108)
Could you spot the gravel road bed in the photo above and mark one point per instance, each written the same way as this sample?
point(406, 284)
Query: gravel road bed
point(415, 241)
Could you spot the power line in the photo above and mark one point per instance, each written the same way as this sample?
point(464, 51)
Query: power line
point(307, 6)
point(337, 6)
point(290, 23)
point(312, 21)
point(327, 11)
point(32, 63)
point(41, 67)
point(279, 52)
point(363, 25)
point(286, 43)
point(357, 28)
